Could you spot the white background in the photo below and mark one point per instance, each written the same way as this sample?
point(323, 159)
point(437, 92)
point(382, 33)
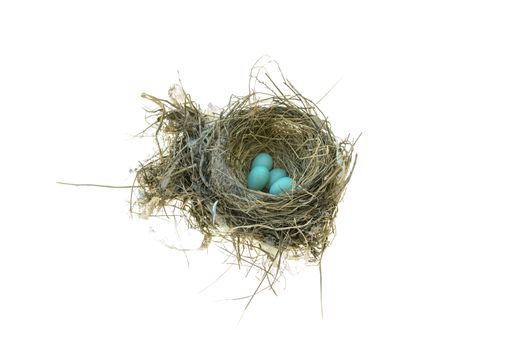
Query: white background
point(431, 250)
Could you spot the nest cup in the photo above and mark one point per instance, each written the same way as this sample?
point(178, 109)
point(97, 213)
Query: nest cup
point(203, 160)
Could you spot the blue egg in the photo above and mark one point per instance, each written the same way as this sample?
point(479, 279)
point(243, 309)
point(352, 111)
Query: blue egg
point(258, 177)
point(263, 159)
point(275, 174)
point(281, 185)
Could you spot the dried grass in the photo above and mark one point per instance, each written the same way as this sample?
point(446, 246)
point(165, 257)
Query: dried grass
point(202, 160)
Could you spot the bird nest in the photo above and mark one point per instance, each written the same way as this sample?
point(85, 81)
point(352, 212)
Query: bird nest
point(203, 157)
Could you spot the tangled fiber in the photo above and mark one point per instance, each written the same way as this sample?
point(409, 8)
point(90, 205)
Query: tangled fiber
point(199, 171)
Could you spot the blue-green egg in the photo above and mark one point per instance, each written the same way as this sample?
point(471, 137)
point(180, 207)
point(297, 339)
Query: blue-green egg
point(281, 185)
point(263, 159)
point(258, 177)
point(275, 174)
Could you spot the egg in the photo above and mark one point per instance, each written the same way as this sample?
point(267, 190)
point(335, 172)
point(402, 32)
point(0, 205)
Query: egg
point(275, 174)
point(258, 177)
point(263, 159)
point(281, 185)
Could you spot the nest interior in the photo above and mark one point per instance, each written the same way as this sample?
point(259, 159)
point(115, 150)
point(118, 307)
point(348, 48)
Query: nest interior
point(199, 172)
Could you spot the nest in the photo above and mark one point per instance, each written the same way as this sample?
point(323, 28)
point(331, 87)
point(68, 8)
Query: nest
point(203, 157)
